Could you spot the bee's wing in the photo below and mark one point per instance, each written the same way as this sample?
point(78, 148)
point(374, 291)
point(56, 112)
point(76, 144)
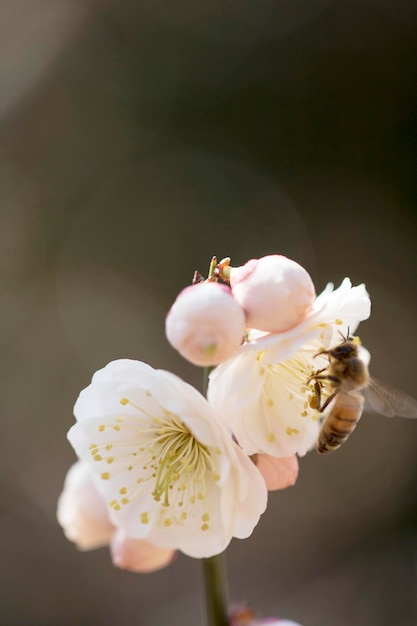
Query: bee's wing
point(389, 401)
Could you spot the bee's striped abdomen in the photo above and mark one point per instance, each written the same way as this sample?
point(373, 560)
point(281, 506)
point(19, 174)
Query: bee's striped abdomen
point(340, 422)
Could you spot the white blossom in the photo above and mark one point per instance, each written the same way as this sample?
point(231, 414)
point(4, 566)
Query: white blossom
point(263, 391)
point(164, 461)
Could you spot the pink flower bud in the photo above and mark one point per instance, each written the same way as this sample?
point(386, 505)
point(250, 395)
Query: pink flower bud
point(138, 555)
point(82, 512)
point(276, 293)
point(205, 324)
point(242, 615)
point(273, 621)
point(277, 473)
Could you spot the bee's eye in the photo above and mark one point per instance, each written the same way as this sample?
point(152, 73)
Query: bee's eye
point(344, 350)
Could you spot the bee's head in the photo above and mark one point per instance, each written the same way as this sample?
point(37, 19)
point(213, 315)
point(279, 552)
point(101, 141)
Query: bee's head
point(344, 350)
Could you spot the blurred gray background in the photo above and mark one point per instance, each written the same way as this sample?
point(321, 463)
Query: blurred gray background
point(138, 138)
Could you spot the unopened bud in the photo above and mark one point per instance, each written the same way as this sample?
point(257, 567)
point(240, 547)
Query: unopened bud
point(205, 324)
point(82, 511)
point(275, 292)
point(138, 555)
point(277, 473)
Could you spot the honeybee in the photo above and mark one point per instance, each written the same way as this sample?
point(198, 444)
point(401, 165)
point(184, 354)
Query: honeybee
point(351, 385)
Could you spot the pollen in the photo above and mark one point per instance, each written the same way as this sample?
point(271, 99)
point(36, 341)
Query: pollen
point(184, 515)
point(123, 491)
point(105, 476)
point(338, 321)
point(205, 517)
point(109, 447)
point(124, 401)
point(313, 402)
point(271, 437)
point(94, 451)
point(116, 427)
point(97, 457)
point(125, 500)
point(92, 446)
point(205, 527)
point(109, 459)
point(168, 522)
point(144, 518)
point(292, 431)
point(262, 371)
point(101, 428)
point(270, 402)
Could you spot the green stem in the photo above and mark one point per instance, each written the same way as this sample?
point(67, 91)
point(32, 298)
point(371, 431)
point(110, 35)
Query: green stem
point(216, 590)
point(214, 569)
point(206, 374)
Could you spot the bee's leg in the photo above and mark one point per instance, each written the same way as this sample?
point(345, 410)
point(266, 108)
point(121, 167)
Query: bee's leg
point(316, 375)
point(329, 399)
point(315, 401)
point(334, 379)
point(321, 354)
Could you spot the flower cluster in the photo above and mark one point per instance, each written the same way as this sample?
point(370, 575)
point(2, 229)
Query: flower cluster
point(161, 468)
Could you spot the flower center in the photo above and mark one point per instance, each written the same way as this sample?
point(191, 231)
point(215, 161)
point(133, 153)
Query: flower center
point(178, 455)
point(289, 395)
point(154, 453)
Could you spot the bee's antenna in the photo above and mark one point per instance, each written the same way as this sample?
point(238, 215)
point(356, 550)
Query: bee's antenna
point(348, 337)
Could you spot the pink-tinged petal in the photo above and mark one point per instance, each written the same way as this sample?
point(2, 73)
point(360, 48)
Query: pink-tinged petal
point(205, 324)
point(277, 473)
point(82, 512)
point(242, 615)
point(275, 292)
point(137, 555)
point(273, 621)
